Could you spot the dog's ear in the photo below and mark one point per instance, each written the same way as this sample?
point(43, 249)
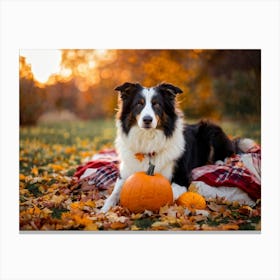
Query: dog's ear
point(170, 89)
point(127, 89)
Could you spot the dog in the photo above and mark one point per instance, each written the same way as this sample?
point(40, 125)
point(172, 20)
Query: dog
point(151, 129)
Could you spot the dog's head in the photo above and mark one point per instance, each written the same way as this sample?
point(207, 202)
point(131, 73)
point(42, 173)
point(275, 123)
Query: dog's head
point(149, 108)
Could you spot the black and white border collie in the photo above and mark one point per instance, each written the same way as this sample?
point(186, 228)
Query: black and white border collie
point(149, 124)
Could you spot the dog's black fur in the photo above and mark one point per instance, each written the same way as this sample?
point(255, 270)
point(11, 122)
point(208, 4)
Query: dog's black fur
point(205, 142)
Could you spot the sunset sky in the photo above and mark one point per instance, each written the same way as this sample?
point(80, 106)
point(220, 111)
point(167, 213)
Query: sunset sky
point(43, 63)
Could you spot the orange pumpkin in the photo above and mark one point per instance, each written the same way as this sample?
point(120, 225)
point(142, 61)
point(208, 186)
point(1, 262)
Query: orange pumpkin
point(192, 200)
point(142, 191)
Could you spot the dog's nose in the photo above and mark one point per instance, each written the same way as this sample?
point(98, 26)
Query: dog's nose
point(147, 119)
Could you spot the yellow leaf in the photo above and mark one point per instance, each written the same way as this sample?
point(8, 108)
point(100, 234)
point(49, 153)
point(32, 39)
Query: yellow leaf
point(136, 216)
point(235, 204)
point(56, 167)
point(77, 205)
point(91, 226)
point(193, 188)
point(85, 154)
point(46, 211)
point(90, 203)
point(170, 219)
point(134, 227)
point(57, 199)
point(160, 225)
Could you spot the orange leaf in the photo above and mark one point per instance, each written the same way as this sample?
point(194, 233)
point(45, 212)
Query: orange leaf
point(91, 226)
point(34, 171)
point(90, 203)
point(245, 210)
point(118, 225)
point(229, 227)
point(56, 167)
point(37, 210)
point(139, 156)
point(70, 150)
point(21, 177)
point(189, 227)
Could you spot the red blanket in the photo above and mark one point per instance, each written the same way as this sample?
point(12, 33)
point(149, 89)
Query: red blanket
point(101, 172)
point(234, 172)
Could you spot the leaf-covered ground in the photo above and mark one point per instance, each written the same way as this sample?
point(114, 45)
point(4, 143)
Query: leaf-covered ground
point(51, 200)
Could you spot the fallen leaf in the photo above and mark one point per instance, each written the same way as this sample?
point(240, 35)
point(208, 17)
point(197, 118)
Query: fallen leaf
point(34, 171)
point(135, 228)
point(189, 227)
point(228, 227)
point(56, 167)
point(160, 225)
point(207, 227)
point(215, 207)
point(193, 188)
point(91, 226)
point(198, 218)
point(245, 210)
point(118, 225)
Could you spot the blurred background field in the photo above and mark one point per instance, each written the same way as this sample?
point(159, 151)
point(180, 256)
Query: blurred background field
point(217, 84)
point(101, 133)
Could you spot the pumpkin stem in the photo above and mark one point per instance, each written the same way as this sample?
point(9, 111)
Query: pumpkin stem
point(151, 169)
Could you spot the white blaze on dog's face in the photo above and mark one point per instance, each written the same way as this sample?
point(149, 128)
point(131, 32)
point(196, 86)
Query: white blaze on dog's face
point(147, 118)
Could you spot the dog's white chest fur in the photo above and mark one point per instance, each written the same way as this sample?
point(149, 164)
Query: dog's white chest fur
point(143, 141)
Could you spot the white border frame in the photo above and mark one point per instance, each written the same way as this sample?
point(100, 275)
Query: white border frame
point(146, 24)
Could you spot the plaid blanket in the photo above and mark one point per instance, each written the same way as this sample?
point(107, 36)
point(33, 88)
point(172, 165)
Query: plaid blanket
point(241, 171)
point(101, 172)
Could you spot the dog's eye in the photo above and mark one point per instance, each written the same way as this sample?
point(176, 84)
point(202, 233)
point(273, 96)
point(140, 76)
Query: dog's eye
point(140, 103)
point(155, 104)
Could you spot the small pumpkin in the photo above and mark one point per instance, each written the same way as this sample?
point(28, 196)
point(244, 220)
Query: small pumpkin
point(146, 191)
point(193, 201)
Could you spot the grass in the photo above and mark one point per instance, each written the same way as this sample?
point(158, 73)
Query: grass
point(65, 144)
point(99, 132)
point(244, 129)
point(102, 132)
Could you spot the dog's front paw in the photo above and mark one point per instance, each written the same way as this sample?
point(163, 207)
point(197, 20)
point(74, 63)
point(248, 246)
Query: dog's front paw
point(109, 203)
point(105, 209)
